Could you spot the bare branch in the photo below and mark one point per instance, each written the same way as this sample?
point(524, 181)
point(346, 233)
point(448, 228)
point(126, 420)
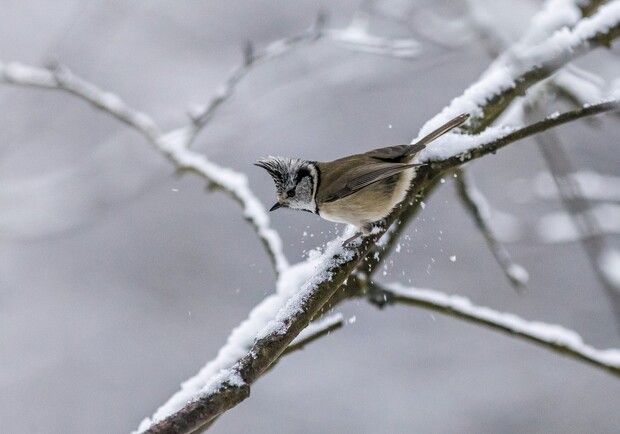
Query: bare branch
point(476, 205)
point(354, 37)
point(550, 336)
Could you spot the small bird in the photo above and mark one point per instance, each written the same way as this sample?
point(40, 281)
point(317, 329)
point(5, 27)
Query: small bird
point(360, 189)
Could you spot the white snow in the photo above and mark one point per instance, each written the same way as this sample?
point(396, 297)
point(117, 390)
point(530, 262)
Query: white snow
point(267, 317)
point(174, 143)
point(319, 326)
point(550, 333)
point(564, 45)
point(17, 73)
point(333, 256)
point(517, 273)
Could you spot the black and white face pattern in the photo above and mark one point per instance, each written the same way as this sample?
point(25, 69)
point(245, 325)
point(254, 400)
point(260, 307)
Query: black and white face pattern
point(295, 180)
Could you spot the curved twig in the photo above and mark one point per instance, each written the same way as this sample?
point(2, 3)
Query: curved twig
point(550, 336)
point(172, 144)
point(476, 205)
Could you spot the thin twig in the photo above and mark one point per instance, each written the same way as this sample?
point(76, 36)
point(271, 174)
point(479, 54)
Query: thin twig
point(577, 206)
point(478, 208)
point(251, 58)
point(550, 336)
point(172, 144)
point(314, 331)
point(478, 149)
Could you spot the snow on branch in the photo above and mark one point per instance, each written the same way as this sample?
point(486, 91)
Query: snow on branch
point(315, 330)
point(230, 385)
point(458, 149)
point(550, 336)
point(478, 207)
point(58, 77)
point(175, 144)
point(503, 82)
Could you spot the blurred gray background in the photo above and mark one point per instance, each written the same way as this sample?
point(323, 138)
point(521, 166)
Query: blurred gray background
point(119, 279)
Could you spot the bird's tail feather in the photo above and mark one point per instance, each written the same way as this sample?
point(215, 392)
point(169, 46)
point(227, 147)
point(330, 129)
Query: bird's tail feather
point(450, 125)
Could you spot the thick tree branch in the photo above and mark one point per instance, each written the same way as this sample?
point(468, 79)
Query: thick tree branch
point(231, 385)
point(476, 205)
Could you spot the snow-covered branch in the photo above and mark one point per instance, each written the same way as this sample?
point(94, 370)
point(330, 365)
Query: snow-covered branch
point(510, 77)
point(172, 144)
point(486, 100)
point(58, 77)
point(560, 227)
point(550, 336)
point(476, 204)
point(467, 148)
point(592, 240)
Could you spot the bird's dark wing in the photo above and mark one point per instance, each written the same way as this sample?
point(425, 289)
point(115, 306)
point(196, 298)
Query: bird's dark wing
point(361, 177)
point(403, 153)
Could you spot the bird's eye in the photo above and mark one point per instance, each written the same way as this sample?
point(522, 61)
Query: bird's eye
point(290, 193)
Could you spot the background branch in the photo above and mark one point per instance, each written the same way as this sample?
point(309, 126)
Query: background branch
point(172, 144)
point(477, 146)
point(591, 235)
point(550, 336)
point(478, 208)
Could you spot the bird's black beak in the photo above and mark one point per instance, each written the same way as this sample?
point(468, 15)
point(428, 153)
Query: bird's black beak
point(275, 206)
